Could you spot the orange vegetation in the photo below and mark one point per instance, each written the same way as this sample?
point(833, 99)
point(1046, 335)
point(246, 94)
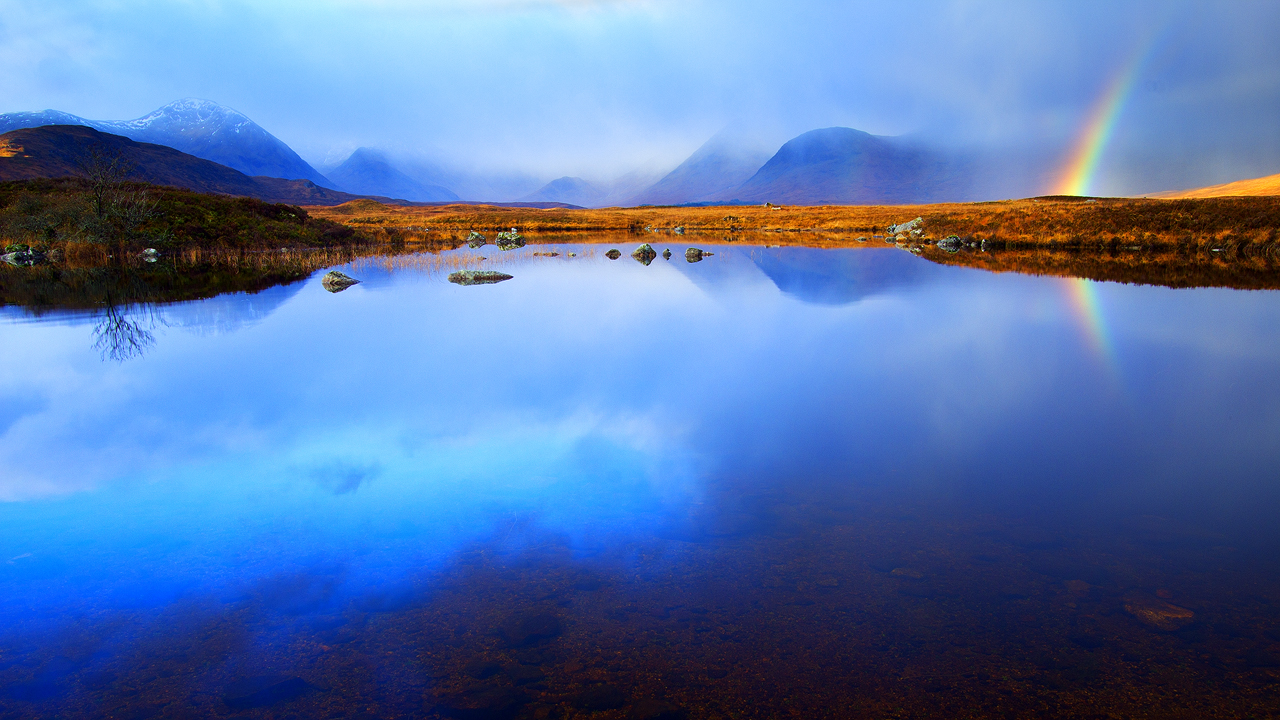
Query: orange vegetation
point(1269, 185)
point(1056, 222)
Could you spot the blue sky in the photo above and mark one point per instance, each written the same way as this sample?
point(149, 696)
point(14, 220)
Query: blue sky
point(600, 88)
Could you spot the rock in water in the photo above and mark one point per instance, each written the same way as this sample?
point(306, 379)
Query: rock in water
point(666, 254)
point(335, 281)
point(694, 255)
point(478, 277)
point(510, 240)
point(613, 254)
point(644, 254)
point(950, 243)
point(150, 255)
point(476, 240)
point(22, 256)
point(1158, 614)
point(523, 630)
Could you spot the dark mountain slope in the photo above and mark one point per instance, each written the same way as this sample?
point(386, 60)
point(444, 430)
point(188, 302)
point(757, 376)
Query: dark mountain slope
point(55, 151)
point(842, 166)
point(197, 127)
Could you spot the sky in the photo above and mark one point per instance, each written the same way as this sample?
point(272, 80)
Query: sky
point(598, 88)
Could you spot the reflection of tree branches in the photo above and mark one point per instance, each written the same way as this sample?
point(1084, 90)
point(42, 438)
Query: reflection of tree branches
point(125, 331)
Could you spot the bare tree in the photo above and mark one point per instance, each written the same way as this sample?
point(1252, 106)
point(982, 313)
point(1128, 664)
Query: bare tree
point(106, 172)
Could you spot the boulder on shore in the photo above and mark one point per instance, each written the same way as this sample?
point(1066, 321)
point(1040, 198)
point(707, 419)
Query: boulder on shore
point(645, 254)
point(478, 277)
point(335, 281)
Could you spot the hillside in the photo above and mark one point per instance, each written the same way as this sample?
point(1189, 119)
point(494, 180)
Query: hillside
point(201, 128)
point(54, 151)
point(571, 190)
point(1263, 186)
point(842, 166)
point(722, 164)
point(368, 172)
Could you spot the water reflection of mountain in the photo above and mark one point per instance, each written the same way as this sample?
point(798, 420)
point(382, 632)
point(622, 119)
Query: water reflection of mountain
point(837, 277)
point(229, 312)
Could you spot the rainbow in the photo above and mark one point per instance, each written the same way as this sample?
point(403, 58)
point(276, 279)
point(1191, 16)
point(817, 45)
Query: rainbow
point(1082, 164)
point(1084, 299)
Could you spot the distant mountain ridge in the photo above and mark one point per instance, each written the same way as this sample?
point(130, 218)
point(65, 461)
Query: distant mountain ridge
point(843, 166)
point(368, 172)
point(55, 151)
point(201, 128)
point(720, 165)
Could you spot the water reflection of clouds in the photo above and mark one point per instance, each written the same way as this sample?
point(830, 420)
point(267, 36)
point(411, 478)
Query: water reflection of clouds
point(600, 398)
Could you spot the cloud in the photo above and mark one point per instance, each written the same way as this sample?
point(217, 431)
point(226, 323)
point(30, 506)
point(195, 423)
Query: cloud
point(598, 88)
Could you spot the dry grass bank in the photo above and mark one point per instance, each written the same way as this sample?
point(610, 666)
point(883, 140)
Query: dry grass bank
point(1104, 223)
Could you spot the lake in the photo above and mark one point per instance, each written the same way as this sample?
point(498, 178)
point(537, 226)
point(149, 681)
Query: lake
point(779, 482)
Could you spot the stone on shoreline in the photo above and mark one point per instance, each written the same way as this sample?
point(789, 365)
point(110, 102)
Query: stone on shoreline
point(477, 277)
point(335, 281)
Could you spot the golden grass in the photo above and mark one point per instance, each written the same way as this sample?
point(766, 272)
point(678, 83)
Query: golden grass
point(1053, 222)
point(1269, 185)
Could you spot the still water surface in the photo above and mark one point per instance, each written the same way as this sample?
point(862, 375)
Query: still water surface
point(781, 482)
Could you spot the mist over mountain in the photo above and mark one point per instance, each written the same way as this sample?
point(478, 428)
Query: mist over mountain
point(572, 190)
point(369, 172)
point(843, 166)
point(201, 128)
point(722, 163)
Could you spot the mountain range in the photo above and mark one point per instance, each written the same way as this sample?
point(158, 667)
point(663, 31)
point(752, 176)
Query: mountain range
point(60, 150)
point(197, 127)
point(820, 167)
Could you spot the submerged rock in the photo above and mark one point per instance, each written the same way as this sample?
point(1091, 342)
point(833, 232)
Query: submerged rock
point(485, 702)
point(265, 691)
point(601, 697)
point(1158, 614)
point(335, 281)
point(645, 254)
point(613, 254)
point(478, 277)
point(694, 255)
point(666, 254)
point(475, 240)
point(528, 629)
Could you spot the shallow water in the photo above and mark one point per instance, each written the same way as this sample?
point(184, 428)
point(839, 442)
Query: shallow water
point(778, 482)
